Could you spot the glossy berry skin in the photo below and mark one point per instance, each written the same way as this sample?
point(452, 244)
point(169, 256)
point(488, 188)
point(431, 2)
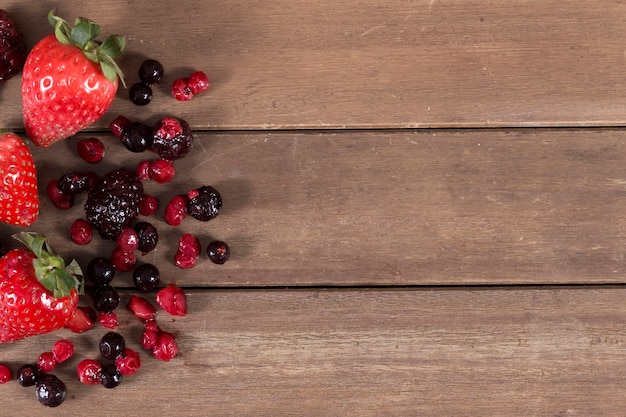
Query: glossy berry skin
point(46, 362)
point(173, 300)
point(91, 150)
point(151, 71)
point(189, 248)
point(117, 125)
point(198, 82)
point(128, 363)
point(171, 138)
point(141, 308)
point(62, 350)
point(5, 374)
point(28, 375)
point(146, 277)
point(112, 345)
point(81, 232)
point(148, 237)
point(50, 390)
point(100, 271)
point(105, 298)
point(218, 252)
point(59, 199)
point(59, 81)
point(180, 89)
point(89, 372)
point(108, 319)
point(150, 334)
point(149, 205)
point(123, 261)
point(136, 137)
point(19, 204)
point(162, 171)
point(128, 240)
point(82, 320)
point(110, 376)
point(204, 203)
point(166, 347)
point(73, 182)
point(140, 94)
point(13, 50)
point(176, 210)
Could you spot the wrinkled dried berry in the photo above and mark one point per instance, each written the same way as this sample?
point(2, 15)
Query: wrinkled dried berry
point(204, 203)
point(171, 138)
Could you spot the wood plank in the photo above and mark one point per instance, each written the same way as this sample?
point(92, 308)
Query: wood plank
point(380, 63)
point(384, 208)
point(366, 352)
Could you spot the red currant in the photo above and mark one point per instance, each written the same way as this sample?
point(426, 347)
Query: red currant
point(91, 150)
point(5, 374)
point(81, 232)
point(62, 350)
point(89, 371)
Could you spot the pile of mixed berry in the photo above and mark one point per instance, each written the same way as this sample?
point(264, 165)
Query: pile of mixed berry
point(113, 205)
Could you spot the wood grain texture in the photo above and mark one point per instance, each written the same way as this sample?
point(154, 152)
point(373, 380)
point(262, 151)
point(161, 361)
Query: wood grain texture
point(372, 64)
point(452, 207)
point(545, 352)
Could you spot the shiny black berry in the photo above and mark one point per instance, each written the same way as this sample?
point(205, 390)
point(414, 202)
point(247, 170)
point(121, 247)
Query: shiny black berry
point(218, 252)
point(13, 49)
point(105, 298)
point(51, 391)
point(112, 345)
point(151, 71)
point(204, 203)
point(146, 277)
point(140, 94)
point(148, 236)
point(136, 136)
point(73, 182)
point(100, 271)
point(28, 375)
point(110, 376)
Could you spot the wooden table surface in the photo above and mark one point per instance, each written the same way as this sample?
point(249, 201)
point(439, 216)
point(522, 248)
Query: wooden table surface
point(425, 202)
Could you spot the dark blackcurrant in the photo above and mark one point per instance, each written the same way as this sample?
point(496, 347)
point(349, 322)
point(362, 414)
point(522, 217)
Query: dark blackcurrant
point(105, 298)
point(204, 203)
point(148, 236)
point(112, 345)
point(136, 136)
point(110, 376)
point(28, 375)
point(146, 277)
point(73, 182)
point(100, 271)
point(151, 71)
point(218, 252)
point(140, 94)
point(51, 391)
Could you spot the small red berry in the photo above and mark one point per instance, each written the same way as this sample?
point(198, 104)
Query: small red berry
point(128, 240)
point(108, 319)
point(81, 232)
point(88, 371)
point(91, 150)
point(148, 205)
point(123, 261)
point(62, 350)
point(128, 363)
point(5, 374)
point(166, 347)
point(150, 334)
point(141, 308)
point(46, 362)
point(188, 250)
point(143, 170)
point(176, 210)
point(180, 89)
point(60, 200)
point(198, 82)
point(117, 125)
point(172, 299)
point(162, 171)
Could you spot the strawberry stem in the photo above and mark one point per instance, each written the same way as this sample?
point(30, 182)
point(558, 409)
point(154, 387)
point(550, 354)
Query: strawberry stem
point(50, 269)
point(83, 36)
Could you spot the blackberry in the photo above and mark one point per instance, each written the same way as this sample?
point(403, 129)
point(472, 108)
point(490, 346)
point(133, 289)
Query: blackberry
point(136, 137)
point(51, 391)
point(73, 182)
point(204, 203)
point(171, 138)
point(113, 202)
point(12, 47)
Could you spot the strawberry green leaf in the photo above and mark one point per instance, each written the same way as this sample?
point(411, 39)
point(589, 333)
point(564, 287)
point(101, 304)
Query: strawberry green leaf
point(83, 33)
point(113, 46)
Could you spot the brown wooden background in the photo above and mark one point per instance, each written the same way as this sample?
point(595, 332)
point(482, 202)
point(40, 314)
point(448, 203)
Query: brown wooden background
point(425, 202)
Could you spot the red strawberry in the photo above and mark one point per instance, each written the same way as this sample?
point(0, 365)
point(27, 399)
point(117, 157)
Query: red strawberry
point(38, 292)
point(19, 200)
point(69, 80)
